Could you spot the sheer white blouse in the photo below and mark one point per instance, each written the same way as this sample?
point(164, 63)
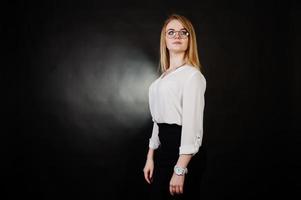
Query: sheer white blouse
point(178, 98)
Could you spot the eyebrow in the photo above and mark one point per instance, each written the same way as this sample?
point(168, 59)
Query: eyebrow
point(174, 29)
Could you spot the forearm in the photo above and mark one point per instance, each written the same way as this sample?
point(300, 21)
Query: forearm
point(183, 160)
point(150, 153)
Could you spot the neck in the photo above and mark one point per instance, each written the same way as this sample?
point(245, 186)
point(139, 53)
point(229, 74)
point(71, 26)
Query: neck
point(176, 59)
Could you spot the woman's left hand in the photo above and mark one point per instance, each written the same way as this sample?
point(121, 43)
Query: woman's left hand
point(176, 184)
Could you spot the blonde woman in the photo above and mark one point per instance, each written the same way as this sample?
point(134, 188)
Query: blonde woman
point(176, 102)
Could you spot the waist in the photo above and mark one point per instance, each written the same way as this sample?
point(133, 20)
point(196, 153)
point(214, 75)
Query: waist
point(167, 125)
point(170, 139)
point(166, 130)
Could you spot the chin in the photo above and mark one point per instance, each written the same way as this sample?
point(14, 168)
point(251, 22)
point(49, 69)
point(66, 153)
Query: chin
point(177, 50)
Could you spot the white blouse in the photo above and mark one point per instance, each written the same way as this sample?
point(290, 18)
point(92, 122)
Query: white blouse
point(178, 98)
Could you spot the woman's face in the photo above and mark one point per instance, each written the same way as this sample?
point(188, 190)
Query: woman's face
point(176, 37)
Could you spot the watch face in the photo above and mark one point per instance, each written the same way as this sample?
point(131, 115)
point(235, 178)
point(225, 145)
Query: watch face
point(178, 171)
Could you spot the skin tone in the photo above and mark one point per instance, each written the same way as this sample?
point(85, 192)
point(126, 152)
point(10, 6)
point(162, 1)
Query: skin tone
point(177, 55)
point(176, 46)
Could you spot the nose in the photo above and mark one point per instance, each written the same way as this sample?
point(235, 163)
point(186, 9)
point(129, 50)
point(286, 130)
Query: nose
point(177, 36)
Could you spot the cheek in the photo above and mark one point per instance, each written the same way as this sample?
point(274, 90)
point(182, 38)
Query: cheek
point(185, 45)
point(168, 42)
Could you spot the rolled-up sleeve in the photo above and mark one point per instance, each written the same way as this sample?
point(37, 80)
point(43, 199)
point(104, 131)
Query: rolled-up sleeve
point(154, 141)
point(192, 114)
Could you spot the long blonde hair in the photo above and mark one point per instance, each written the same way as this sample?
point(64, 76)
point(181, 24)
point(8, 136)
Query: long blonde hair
point(191, 54)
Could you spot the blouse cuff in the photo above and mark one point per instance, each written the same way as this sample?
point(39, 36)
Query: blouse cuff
point(188, 149)
point(152, 144)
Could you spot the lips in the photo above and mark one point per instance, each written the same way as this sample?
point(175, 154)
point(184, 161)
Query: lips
point(177, 42)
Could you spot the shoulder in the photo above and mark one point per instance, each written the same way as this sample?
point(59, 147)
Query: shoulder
point(153, 84)
point(194, 74)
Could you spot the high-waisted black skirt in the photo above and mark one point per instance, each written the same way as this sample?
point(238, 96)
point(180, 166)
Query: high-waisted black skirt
point(165, 158)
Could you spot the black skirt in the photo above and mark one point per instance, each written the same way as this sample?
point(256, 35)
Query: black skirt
point(165, 158)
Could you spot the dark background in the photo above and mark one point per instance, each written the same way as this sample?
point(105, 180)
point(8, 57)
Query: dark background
point(79, 84)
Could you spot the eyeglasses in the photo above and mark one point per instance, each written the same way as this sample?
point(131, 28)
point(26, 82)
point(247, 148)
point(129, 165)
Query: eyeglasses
point(182, 33)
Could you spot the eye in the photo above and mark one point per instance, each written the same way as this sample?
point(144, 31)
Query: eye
point(184, 32)
point(171, 32)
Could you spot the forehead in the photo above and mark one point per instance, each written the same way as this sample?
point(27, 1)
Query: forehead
point(174, 24)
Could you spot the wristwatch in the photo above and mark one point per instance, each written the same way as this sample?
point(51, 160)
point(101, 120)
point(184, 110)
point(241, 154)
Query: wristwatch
point(180, 171)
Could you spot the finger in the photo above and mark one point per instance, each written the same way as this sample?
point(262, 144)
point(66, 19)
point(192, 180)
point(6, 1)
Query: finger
point(171, 190)
point(177, 189)
point(151, 173)
point(181, 189)
point(146, 176)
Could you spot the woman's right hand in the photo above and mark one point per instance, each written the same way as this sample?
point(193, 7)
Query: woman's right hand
point(148, 170)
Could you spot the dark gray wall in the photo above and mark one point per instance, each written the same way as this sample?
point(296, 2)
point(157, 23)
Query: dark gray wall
point(82, 74)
